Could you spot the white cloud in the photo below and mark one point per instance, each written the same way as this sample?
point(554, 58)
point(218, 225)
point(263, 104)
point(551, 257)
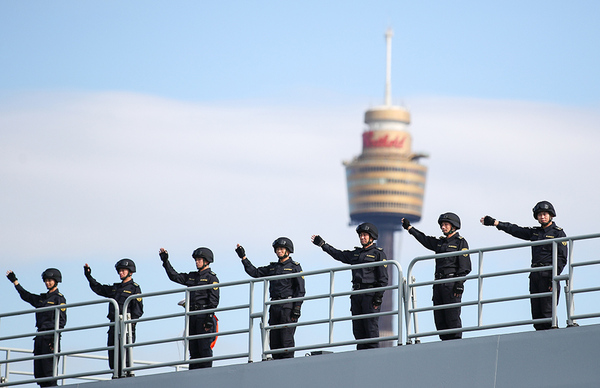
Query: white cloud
point(117, 171)
point(96, 177)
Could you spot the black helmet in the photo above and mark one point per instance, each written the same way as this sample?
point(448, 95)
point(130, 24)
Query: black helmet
point(52, 273)
point(284, 242)
point(543, 206)
point(369, 228)
point(451, 218)
point(125, 263)
point(204, 253)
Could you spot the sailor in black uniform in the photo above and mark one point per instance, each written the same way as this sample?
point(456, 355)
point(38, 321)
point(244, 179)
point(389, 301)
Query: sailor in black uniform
point(199, 300)
point(363, 278)
point(280, 289)
point(541, 256)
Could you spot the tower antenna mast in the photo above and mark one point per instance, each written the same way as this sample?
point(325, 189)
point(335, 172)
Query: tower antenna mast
point(388, 67)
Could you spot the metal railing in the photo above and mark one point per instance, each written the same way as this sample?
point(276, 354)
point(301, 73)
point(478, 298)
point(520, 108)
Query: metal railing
point(260, 312)
point(411, 310)
point(64, 362)
point(255, 309)
point(57, 353)
point(241, 319)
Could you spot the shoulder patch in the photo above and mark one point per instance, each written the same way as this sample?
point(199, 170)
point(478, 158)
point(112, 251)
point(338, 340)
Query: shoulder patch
point(295, 262)
point(380, 248)
point(135, 284)
point(212, 273)
point(558, 227)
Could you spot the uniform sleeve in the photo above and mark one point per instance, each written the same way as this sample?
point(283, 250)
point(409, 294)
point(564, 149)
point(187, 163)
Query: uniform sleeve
point(343, 256)
point(136, 307)
point(563, 252)
point(464, 260)
point(104, 290)
point(213, 295)
point(62, 316)
point(428, 242)
point(298, 289)
point(253, 271)
point(28, 297)
point(516, 230)
point(381, 274)
point(175, 276)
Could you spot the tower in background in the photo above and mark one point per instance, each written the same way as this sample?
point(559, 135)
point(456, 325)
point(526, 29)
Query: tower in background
point(386, 182)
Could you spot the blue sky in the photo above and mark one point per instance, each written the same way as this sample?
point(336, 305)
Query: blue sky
point(127, 126)
point(206, 51)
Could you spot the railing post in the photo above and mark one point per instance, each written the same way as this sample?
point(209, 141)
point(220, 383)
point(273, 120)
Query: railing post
point(555, 284)
point(64, 369)
point(400, 278)
point(480, 290)
point(186, 330)
point(416, 317)
point(406, 301)
point(6, 366)
point(128, 350)
point(116, 349)
point(331, 302)
point(250, 322)
point(56, 341)
point(264, 321)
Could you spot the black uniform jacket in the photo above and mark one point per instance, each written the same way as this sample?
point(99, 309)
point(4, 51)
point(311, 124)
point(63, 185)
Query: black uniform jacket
point(375, 276)
point(201, 299)
point(119, 292)
point(45, 320)
point(541, 254)
point(282, 288)
point(458, 265)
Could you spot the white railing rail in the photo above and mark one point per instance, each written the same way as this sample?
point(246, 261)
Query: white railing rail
point(324, 319)
point(260, 312)
point(411, 310)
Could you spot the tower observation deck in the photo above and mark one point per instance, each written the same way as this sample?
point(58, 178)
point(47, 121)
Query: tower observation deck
point(386, 182)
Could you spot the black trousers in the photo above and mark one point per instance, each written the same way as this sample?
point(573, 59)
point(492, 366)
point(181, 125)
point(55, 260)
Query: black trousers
point(201, 348)
point(281, 338)
point(367, 327)
point(111, 353)
point(44, 344)
point(446, 318)
point(541, 307)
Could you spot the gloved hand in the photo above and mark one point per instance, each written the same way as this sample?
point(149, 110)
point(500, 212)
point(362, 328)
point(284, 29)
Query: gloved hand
point(164, 255)
point(295, 313)
point(11, 276)
point(87, 271)
point(488, 221)
point(405, 223)
point(318, 241)
point(459, 288)
point(209, 322)
point(377, 301)
point(241, 252)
